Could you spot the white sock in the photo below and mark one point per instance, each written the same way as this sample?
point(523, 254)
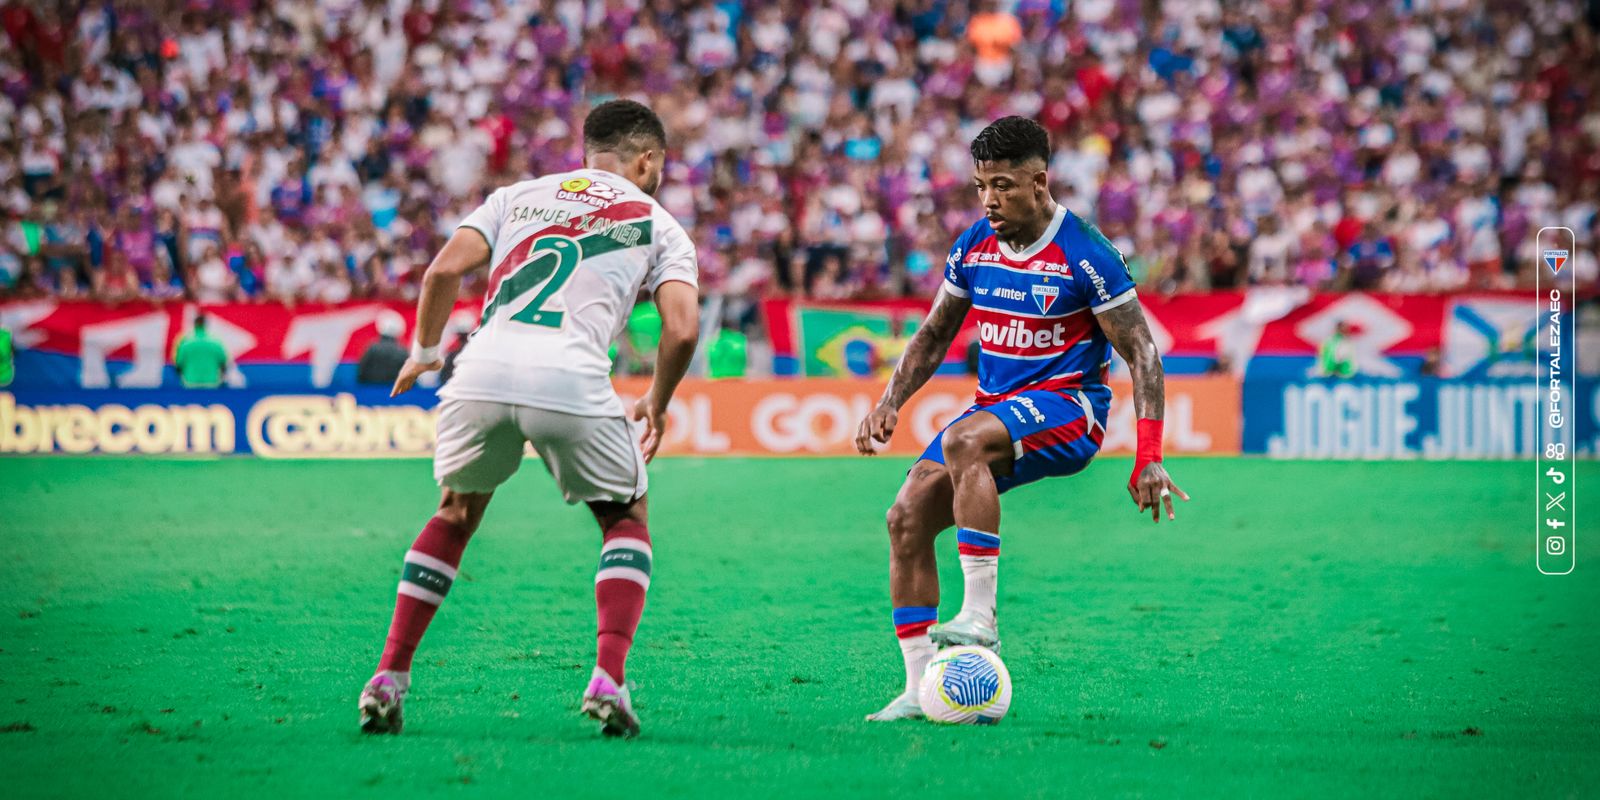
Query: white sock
point(980, 566)
point(918, 651)
point(982, 577)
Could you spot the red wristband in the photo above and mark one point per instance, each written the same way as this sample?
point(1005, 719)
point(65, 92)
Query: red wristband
point(1149, 448)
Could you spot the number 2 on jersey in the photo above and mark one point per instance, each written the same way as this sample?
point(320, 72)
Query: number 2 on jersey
point(552, 262)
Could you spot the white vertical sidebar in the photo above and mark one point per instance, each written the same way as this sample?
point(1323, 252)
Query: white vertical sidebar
point(1555, 492)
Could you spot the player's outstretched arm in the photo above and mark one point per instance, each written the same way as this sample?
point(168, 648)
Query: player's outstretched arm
point(466, 251)
point(679, 304)
point(1128, 332)
point(922, 357)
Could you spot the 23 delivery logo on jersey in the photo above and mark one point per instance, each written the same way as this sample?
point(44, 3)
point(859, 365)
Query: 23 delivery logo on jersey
point(587, 191)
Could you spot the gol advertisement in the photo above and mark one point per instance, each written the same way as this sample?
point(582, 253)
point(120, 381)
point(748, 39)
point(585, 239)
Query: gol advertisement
point(819, 416)
point(774, 417)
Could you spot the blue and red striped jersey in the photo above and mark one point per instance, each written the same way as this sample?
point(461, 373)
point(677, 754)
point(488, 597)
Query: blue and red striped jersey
point(1035, 308)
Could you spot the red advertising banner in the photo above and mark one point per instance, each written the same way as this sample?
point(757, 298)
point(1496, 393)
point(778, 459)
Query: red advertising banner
point(842, 339)
point(143, 334)
point(89, 345)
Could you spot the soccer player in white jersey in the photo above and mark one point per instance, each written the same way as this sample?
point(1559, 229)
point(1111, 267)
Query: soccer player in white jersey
point(568, 254)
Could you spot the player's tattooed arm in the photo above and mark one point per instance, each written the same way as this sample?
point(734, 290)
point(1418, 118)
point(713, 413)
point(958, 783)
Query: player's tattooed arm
point(1128, 332)
point(923, 355)
point(1150, 486)
point(927, 348)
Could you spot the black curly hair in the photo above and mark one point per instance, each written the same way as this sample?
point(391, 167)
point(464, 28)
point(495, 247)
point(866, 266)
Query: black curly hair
point(1013, 139)
point(623, 127)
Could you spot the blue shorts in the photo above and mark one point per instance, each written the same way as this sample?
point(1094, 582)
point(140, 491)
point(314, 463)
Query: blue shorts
point(1051, 433)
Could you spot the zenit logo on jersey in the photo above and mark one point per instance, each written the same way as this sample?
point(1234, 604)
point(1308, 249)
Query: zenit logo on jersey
point(1555, 260)
point(1035, 308)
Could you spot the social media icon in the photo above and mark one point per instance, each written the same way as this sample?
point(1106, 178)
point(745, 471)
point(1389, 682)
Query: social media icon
point(1555, 545)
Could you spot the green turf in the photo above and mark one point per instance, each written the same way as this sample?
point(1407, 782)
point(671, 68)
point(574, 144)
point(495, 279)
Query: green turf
point(201, 629)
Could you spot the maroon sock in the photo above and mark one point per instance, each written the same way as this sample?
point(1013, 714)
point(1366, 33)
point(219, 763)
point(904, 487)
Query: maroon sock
point(430, 568)
point(619, 589)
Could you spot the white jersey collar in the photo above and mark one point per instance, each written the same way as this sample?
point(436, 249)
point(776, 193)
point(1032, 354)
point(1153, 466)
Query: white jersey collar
point(1039, 244)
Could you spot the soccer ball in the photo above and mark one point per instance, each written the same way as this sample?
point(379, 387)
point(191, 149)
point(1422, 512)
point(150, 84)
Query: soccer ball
point(965, 686)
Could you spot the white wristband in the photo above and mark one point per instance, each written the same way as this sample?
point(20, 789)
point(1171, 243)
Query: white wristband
point(424, 355)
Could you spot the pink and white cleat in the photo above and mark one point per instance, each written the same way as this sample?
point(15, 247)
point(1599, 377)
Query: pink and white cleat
point(610, 705)
point(380, 704)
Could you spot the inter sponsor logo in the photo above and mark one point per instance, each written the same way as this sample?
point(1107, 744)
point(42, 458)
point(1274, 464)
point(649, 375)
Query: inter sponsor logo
point(1007, 293)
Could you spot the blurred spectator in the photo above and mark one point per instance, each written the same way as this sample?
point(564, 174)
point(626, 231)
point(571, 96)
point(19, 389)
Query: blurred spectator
point(201, 359)
point(1335, 358)
point(727, 355)
point(7, 357)
point(299, 151)
point(381, 363)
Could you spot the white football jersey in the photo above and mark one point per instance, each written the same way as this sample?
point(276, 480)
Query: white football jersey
point(569, 254)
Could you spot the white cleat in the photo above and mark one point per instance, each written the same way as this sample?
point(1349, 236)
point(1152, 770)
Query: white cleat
point(903, 707)
point(610, 705)
point(380, 705)
point(966, 631)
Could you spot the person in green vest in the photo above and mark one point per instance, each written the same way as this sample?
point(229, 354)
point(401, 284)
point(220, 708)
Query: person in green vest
point(727, 356)
point(201, 359)
point(640, 339)
point(644, 332)
point(7, 352)
point(1334, 358)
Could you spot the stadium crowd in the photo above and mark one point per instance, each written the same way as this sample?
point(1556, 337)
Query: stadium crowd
point(302, 151)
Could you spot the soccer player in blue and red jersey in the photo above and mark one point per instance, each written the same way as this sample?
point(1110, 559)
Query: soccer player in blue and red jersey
point(1051, 297)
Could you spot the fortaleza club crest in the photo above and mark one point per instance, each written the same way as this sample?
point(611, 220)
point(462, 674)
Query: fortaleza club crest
point(1555, 259)
point(1044, 295)
point(584, 190)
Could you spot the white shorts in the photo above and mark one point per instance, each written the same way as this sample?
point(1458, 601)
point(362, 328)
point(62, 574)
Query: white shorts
point(480, 445)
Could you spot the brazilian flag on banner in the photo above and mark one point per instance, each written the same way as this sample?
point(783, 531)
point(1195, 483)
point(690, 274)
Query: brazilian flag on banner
point(837, 343)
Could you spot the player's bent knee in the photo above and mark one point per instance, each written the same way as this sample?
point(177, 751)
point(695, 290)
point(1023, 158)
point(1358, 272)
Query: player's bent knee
point(899, 520)
point(966, 445)
point(906, 535)
point(463, 510)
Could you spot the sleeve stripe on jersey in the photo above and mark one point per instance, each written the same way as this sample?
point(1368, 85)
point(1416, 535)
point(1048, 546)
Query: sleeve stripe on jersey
point(487, 239)
point(1115, 301)
point(955, 290)
point(665, 279)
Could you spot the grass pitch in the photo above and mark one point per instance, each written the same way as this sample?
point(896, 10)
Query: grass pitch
point(202, 628)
